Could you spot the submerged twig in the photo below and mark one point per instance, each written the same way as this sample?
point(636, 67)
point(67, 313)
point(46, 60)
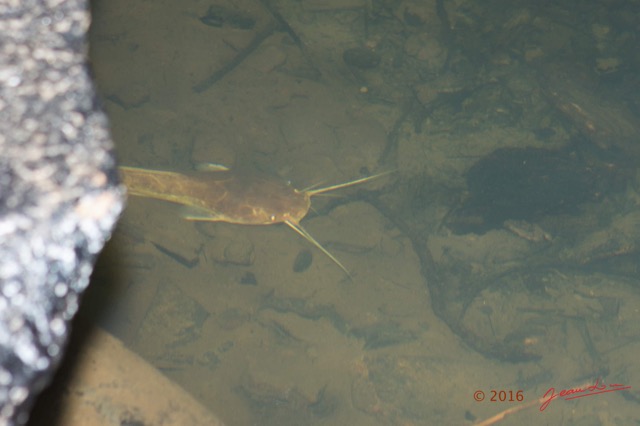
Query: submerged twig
point(240, 57)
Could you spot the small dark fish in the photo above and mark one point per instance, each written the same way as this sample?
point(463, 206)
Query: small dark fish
point(303, 261)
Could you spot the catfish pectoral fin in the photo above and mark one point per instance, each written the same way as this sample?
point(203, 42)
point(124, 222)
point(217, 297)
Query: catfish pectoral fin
point(196, 214)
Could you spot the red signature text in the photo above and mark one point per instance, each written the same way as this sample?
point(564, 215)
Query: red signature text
point(596, 389)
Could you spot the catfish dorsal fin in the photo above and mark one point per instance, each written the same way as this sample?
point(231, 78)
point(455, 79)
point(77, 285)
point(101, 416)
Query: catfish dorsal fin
point(211, 167)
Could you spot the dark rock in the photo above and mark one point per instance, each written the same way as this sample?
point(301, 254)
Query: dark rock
point(524, 184)
point(59, 194)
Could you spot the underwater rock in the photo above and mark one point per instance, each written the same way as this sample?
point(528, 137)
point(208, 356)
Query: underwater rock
point(525, 184)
